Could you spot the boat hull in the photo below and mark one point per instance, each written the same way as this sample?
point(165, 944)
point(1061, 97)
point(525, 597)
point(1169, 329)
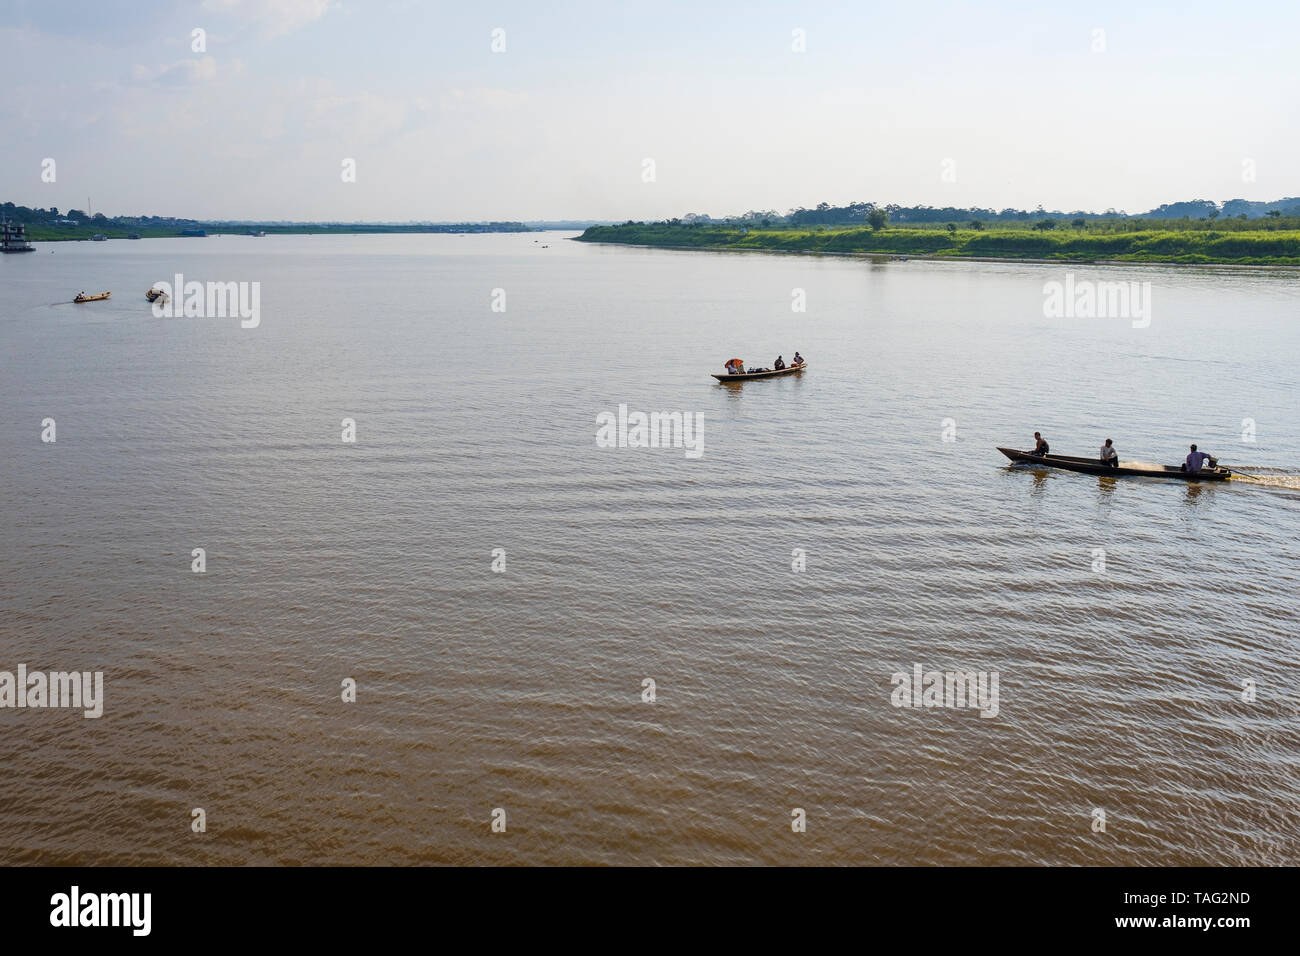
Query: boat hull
point(728, 378)
point(1092, 466)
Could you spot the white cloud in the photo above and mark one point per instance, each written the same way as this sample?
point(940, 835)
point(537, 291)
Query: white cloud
point(361, 117)
point(186, 72)
point(477, 100)
point(271, 17)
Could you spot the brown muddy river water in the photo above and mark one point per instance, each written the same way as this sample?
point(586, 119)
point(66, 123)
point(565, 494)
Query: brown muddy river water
point(500, 587)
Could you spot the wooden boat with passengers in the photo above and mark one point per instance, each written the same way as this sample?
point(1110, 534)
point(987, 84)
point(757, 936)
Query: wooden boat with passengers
point(91, 298)
point(1094, 466)
point(765, 373)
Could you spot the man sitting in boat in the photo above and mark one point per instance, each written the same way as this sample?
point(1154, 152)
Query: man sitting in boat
point(1109, 456)
point(779, 363)
point(1040, 445)
point(797, 360)
point(1196, 460)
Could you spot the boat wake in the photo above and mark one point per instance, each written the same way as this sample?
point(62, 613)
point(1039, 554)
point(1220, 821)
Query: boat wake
point(1269, 477)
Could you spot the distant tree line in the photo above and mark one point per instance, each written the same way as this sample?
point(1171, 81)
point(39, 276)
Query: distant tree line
point(50, 216)
point(51, 223)
point(871, 214)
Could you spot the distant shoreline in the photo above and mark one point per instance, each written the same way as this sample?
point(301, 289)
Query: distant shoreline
point(1233, 247)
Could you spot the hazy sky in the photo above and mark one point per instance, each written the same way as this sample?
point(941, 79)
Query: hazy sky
point(1002, 103)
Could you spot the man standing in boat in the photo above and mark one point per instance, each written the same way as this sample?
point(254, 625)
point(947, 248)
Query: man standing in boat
point(1195, 461)
point(1040, 445)
point(1109, 456)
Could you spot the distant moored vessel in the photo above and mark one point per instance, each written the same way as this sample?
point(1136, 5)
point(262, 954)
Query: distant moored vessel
point(13, 238)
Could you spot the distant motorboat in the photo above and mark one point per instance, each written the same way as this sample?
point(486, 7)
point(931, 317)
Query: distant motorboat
point(1095, 466)
point(134, 235)
point(99, 237)
point(82, 297)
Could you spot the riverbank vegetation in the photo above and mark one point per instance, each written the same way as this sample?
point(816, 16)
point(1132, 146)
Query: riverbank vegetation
point(1271, 240)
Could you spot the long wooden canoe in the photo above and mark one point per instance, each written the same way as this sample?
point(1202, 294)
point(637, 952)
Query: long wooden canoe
point(92, 298)
point(1093, 466)
point(788, 370)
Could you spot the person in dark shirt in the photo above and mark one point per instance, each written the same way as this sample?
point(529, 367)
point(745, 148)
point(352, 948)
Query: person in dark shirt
point(779, 363)
point(1195, 461)
point(1040, 445)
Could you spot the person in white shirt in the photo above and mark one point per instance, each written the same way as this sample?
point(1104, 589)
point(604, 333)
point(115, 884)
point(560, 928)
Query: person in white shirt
point(1195, 460)
point(1109, 456)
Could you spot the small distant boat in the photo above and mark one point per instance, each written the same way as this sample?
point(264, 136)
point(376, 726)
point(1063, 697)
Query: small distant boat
point(156, 294)
point(256, 232)
point(1093, 466)
point(99, 237)
point(134, 235)
point(769, 373)
point(91, 298)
